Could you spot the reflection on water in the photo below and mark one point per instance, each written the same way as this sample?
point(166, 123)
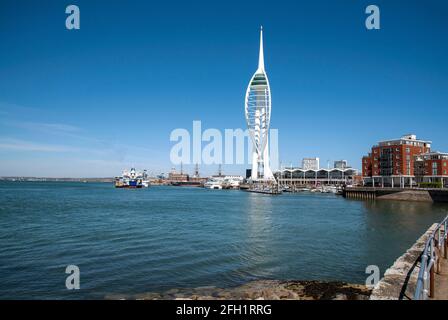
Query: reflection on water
point(393, 225)
point(399, 207)
point(259, 234)
point(133, 241)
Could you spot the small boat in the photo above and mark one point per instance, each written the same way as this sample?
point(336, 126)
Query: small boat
point(145, 181)
point(213, 184)
point(332, 189)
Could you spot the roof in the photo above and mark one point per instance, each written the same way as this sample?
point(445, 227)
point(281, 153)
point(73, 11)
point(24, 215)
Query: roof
point(322, 169)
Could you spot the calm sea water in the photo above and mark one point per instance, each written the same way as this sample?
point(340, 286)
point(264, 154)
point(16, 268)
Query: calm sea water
point(135, 241)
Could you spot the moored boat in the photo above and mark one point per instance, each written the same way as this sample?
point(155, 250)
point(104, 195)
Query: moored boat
point(131, 179)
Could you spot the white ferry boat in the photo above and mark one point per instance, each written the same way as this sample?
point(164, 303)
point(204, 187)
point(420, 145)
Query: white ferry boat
point(214, 183)
point(132, 179)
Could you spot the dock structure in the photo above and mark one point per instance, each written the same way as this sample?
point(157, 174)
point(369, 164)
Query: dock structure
point(264, 186)
point(421, 272)
point(360, 193)
point(271, 192)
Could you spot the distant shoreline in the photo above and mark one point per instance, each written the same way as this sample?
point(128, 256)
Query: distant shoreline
point(46, 179)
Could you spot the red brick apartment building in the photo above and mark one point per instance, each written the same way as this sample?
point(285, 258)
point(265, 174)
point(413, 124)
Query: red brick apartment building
point(391, 163)
point(432, 167)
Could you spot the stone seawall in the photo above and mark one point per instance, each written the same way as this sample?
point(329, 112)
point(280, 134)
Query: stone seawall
point(399, 194)
point(408, 195)
point(400, 280)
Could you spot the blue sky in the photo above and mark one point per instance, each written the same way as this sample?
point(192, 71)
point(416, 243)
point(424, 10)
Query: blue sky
point(90, 102)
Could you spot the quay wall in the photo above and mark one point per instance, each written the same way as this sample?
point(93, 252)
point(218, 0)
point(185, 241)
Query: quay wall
point(424, 195)
point(400, 280)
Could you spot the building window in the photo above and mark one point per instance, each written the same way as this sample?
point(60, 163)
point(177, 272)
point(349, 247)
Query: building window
point(408, 150)
point(434, 168)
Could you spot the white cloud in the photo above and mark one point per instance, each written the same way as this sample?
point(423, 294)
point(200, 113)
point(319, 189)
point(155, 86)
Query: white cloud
point(53, 128)
point(21, 145)
point(61, 127)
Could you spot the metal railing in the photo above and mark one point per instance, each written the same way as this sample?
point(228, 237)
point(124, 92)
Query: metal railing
point(430, 264)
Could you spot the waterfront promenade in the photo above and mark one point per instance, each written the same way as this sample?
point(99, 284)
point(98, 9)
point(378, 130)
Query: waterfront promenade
point(441, 282)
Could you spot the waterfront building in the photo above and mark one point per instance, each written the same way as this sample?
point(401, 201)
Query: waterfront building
point(419, 168)
point(175, 176)
point(310, 164)
point(183, 179)
point(367, 165)
point(391, 162)
point(307, 177)
point(340, 164)
point(257, 110)
point(248, 173)
point(431, 167)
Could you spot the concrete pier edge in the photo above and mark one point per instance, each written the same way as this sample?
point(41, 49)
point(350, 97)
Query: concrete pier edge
point(398, 194)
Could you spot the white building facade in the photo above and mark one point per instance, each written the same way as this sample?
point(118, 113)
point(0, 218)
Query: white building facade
point(310, 164)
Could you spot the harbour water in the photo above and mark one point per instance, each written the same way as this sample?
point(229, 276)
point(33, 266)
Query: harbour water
point(135, 241)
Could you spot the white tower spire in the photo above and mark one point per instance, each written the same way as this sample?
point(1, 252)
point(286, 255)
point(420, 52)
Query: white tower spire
point(258, 117)
point(261, 55)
